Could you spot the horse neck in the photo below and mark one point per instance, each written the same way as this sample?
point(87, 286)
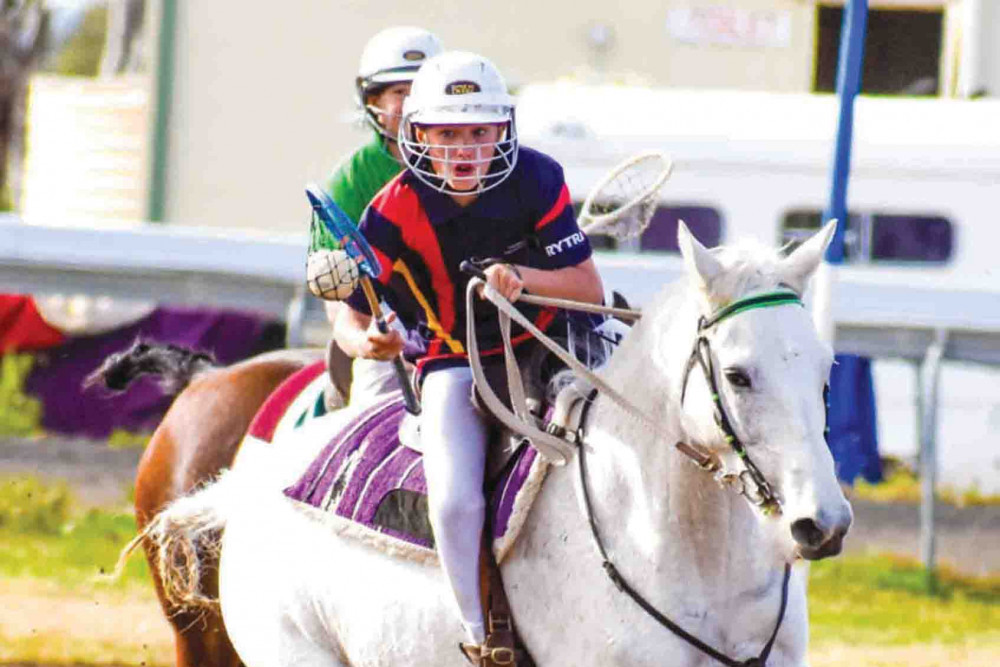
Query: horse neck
point(659, 508)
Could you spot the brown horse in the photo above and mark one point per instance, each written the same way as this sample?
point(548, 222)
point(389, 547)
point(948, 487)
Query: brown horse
point(197, 438)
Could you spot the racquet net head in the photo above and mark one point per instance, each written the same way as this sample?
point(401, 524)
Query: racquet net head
point(342, 232)
point(623, 203)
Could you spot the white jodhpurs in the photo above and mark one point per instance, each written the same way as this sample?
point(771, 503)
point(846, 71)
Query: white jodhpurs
point(454, 439)
point(371, 380)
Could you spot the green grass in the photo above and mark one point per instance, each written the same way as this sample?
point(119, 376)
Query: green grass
point(42, 536)
point(20, 414)
point(889, 600)
point(902, 485)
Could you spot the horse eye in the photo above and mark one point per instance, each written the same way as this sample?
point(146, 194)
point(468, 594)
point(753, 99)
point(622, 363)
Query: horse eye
point(737, 378)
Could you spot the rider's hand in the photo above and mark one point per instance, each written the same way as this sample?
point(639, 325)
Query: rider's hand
point(505, 279)
point(382, 346)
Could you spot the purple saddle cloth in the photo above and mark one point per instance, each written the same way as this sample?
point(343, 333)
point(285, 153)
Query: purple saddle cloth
point(367, 476)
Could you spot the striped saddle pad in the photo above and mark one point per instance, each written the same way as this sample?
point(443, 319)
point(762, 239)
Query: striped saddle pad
point(373, 487)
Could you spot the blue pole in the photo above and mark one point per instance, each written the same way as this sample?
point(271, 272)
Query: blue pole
point(847, 441)
point(852, 48)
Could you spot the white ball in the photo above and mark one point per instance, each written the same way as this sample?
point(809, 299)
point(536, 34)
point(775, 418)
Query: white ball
point(332, 274)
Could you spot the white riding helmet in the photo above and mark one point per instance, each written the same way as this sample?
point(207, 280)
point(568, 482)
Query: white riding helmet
point(392, 56)
point(458, 88)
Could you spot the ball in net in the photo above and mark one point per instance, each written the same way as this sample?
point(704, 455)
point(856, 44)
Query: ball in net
point(332, 274)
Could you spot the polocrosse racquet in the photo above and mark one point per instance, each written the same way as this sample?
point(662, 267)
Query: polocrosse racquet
point(353, 241)
point(622, 204)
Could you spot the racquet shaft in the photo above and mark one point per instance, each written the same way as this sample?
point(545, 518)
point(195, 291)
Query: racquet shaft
point(412, 405)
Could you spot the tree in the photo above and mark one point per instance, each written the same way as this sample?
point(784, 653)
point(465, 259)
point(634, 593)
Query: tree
point(23, 29)
point(81, 54)
point(124, 48)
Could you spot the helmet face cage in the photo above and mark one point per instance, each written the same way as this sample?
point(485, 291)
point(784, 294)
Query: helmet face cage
point(391, 57)
point(417, 158)
point(366, 87)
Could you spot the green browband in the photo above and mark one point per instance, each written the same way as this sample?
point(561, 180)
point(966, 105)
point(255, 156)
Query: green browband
point(776, 298)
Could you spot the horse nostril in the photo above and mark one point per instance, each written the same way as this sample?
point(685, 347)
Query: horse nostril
point(807, 533)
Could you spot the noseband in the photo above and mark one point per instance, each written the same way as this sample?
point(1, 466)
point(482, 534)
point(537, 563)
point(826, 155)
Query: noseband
point(750, 482)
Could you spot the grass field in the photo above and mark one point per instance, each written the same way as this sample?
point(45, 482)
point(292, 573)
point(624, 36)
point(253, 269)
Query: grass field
point(874, 610)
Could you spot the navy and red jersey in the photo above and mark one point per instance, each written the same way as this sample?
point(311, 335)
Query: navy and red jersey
point(424, 235)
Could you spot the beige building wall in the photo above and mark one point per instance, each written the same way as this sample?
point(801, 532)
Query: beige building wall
point(262, 90)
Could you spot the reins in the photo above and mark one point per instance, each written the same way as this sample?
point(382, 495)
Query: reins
point(555, 449)
point(624, 587)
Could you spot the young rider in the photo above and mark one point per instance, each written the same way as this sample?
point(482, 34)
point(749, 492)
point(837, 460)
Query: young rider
point(468, 192)
point(388, 63)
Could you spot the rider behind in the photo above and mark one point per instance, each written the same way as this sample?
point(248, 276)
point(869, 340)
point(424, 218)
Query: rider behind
point(468, 193)
point(388, 63)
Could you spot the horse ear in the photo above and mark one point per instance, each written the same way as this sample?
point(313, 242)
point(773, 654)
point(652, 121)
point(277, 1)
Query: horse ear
point(700, 263)
point(797, 268)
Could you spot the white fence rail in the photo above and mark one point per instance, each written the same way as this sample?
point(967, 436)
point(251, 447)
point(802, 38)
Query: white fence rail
point(876, 312)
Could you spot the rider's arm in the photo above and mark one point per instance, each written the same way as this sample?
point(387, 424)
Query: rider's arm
point(579, 282)
point(358, 336)
point(565, 269)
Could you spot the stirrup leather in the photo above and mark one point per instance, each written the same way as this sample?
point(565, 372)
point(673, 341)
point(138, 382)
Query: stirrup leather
point(499, 647)
point(485, 656)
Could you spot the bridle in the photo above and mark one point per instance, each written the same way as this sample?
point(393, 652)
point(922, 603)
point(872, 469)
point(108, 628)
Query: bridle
point(762, 494)
point(749, 482)
point(558, 435)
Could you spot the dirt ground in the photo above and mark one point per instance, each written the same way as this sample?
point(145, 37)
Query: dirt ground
point(58, 628)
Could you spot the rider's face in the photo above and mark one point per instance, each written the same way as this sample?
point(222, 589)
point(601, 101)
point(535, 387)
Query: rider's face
point(388, 106)
point(461, 154)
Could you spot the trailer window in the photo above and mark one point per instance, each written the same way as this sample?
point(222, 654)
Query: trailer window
point(881, 237)
point(661, 235)
point(704, 222)
point(911, 238)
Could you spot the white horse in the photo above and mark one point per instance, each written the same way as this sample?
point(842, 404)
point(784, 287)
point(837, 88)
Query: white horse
point(294, 593)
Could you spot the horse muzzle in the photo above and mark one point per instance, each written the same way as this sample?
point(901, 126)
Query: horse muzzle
point(818, 538)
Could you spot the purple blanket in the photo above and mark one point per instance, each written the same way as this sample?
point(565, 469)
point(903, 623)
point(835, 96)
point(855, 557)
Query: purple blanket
point(365, 475)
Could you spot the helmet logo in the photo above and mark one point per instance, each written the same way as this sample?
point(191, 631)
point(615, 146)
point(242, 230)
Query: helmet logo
point(462, 88)
point(413, 55)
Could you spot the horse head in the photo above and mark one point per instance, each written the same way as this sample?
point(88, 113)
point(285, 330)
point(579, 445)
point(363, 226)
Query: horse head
point(753, 390)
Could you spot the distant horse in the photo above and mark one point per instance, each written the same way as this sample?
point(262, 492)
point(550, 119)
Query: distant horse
point(197, 438)
point(725, 367)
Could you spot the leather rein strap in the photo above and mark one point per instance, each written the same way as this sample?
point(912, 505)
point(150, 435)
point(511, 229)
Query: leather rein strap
point(623, 586)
